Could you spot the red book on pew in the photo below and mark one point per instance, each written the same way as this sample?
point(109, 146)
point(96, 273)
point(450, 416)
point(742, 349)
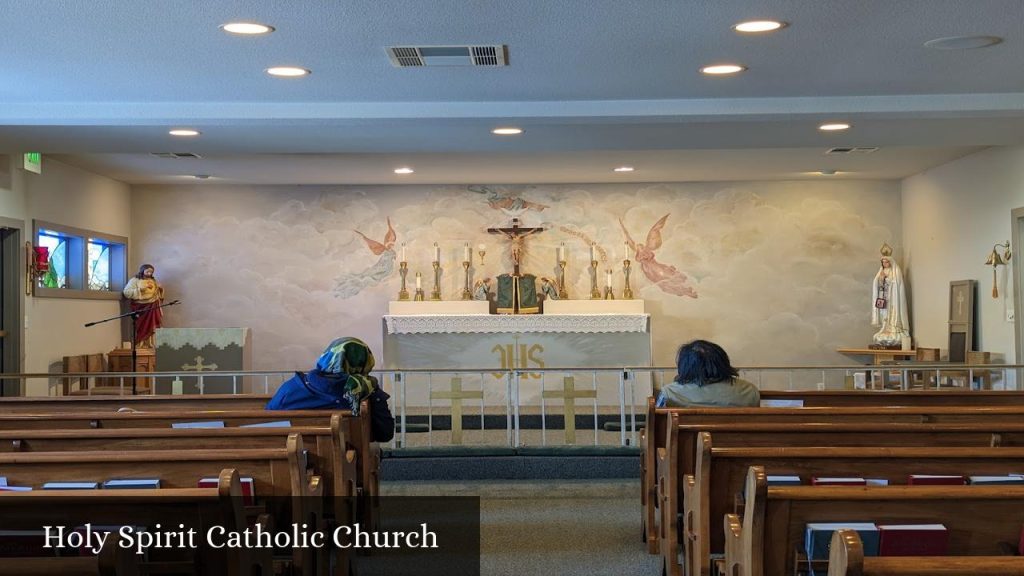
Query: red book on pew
point(248, 489)
point(836, 481)
point(936, 480)
point(913, 540)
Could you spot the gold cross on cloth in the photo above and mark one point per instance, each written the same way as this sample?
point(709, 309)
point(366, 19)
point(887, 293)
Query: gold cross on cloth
point(457, 395)
point(199, 366)
point(569, 394)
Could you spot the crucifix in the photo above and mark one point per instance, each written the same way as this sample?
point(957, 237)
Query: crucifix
point(960, 304)
point(515, 233)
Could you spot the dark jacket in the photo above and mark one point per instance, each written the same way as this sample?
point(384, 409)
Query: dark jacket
point(318, 390)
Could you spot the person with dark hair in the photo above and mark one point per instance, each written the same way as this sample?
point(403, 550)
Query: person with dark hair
point(145, 296)
point(341, 380)
point(706, 378)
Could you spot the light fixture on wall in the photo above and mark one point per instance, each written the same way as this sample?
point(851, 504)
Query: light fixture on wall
point(995, 261)
point(37, 263)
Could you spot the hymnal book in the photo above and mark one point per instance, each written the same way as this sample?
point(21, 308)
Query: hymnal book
point(996, 480)
point(913, 540)
point(275, 424)
point(784, 480)
point(131, 483)
point(71, 486)
point(819, 537)
point(248, 488)
point(936, 479)
point(24, 543)
point(197, 424)
point(3, 480)
point(876, 481)
point(6, 488)
point(836, 481)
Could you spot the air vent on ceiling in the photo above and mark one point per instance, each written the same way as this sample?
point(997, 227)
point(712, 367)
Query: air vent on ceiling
point(852, 150)
point(175, 155)
point(412, 56)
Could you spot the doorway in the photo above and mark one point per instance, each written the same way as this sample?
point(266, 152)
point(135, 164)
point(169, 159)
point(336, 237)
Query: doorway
point(1017, 278)
point(11, 283)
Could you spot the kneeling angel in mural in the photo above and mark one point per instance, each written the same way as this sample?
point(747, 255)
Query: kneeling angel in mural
point(664, 276)
point(354, 283)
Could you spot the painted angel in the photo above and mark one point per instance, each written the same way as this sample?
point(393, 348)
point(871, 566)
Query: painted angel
point(352, 284)
point(664, 276)
point(508, 202)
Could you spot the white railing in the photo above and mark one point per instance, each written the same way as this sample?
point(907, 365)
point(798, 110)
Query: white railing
point(541, 406)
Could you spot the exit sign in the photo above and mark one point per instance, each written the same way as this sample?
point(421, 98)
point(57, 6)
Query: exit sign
point(34, 162)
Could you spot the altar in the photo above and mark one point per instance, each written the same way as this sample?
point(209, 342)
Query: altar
point(439, 341)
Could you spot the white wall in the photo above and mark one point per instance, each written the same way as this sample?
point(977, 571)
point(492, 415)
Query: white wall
point(952, 215)
point(62, 194)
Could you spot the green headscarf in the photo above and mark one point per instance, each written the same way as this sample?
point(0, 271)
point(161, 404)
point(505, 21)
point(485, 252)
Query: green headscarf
point(353, 358)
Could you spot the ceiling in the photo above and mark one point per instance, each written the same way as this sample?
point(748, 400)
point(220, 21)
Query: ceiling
point(594, 83)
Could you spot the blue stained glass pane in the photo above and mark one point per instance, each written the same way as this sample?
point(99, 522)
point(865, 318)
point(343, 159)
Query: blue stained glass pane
point(57, 276)
point(99, 266)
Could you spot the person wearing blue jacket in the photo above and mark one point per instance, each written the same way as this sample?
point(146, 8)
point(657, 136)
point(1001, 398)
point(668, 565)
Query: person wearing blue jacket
point(340, 381)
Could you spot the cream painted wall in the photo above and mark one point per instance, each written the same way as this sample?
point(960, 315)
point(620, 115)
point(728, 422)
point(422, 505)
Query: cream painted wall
point(67, 195)
point(952, 215)
point(782, 270)
point(12, 197)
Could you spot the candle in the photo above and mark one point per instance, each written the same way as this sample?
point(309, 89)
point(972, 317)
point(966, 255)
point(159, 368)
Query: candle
point(625, 250)
point(609, 279)
point(403, 252)
point(561, 252)
point(467, 255)
point(593, 252)
point(419, 281)
point(437, 252)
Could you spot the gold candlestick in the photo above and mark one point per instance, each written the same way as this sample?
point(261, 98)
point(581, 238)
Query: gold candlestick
point(595, 294)
point(419, 288)
point(562, 294)
point(403, 269)
point(627, 292)
point(466, 294)
point(608, 294)
point(435, 294)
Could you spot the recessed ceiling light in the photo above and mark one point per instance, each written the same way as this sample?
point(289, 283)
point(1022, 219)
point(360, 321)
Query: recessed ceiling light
point(201, 176)
point(507, 131)
point(834, 126)
point(624, 169)
point(963, 42)
point(722, 69)
point(183, 132)
point(756, 26)
point(404, 170)
point(827, 172)
point(287, 71)
point(247, 28)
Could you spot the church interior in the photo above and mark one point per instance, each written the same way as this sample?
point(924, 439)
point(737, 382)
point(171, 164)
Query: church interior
point(524, 210)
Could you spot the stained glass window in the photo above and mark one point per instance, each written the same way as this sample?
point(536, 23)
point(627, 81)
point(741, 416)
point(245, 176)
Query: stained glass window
point(57, 275)
point(98, 265)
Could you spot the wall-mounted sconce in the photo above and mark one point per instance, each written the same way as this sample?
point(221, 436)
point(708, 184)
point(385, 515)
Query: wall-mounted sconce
point(37, 263)
point(995, 260)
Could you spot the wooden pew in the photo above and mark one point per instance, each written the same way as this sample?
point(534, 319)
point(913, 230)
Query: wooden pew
point(199, 508)
point(111, 561)
point(766, 540)
point(846, 558)
point(658, 422)
point(835, 398)
point(721, 474)
point(279, 473)
point(357, 432)
point(144, 403)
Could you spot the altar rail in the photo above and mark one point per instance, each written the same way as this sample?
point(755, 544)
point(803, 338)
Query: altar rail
point(439, 407)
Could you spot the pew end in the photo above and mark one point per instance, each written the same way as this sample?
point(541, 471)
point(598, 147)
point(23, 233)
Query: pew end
point(846, 558)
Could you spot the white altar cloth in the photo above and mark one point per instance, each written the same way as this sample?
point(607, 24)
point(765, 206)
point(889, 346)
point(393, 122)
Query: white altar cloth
point(516, 324)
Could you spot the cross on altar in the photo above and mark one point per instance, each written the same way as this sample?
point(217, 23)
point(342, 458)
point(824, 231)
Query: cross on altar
point(960, 304)
point(515, 233)
point(569, 394)
point(457, 395)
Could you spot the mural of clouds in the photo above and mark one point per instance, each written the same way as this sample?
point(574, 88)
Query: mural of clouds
point(782, 270)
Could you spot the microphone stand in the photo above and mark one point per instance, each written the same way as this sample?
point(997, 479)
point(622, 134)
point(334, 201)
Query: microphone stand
point(134, 314)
